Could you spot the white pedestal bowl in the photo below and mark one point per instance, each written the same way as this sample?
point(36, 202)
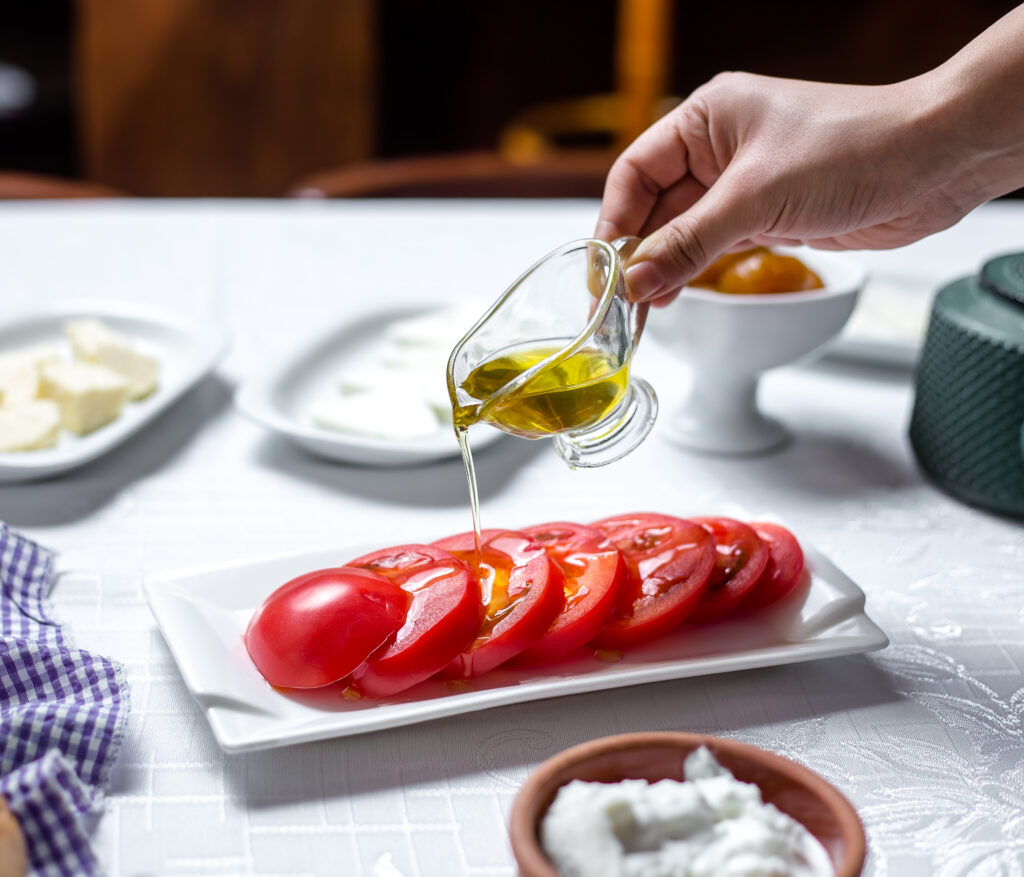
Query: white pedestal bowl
point(730, 340)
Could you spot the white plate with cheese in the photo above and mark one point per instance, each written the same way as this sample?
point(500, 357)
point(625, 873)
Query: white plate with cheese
point(160, 356)
point(371, 391)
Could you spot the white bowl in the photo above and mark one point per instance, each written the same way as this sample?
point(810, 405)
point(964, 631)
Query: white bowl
point(730, 340)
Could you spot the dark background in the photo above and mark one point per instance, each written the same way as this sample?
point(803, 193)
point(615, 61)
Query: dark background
point(444, 76)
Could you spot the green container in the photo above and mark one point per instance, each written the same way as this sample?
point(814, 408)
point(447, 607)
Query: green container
point(967, 428)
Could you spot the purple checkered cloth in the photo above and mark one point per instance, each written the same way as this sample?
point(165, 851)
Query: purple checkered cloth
point(62, 714)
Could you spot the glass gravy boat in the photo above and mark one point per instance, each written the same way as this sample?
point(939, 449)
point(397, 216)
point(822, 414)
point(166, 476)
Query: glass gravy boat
point(551, 357)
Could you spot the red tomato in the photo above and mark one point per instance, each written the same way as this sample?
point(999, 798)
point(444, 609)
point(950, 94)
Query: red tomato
point(521, 594)
point(740, 559)
point(784, 569)
point(443, 618)
point(594, 573)
point(317, 628)
point(670, 561)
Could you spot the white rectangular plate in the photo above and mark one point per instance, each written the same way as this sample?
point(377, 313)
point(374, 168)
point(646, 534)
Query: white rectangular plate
point(203, 613)
point(186, 353)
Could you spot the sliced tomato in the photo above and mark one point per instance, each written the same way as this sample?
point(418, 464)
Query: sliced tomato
point(740, 559)
point(317, 628)
point(521, 594)
point(444, 616)
point(670, 561)
point(784, 569)
point(593, 572)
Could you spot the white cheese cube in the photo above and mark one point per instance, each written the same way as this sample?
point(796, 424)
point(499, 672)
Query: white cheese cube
point(89, 395)
point(382, 415)
point(19, 372)
point(29, 426)
point(94, 341)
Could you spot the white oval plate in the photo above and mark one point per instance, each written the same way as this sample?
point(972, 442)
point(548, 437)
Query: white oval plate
point(203, 613)
point(283, 398)
point(186, 352)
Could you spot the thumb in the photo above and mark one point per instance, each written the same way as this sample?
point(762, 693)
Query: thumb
point(685, 246)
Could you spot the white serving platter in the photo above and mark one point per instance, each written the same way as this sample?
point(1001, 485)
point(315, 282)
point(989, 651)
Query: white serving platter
point(203, 613)
point(187, 351)
point(282, 398)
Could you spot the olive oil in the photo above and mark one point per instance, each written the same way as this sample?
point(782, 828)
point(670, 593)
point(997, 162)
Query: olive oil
point(572, 393)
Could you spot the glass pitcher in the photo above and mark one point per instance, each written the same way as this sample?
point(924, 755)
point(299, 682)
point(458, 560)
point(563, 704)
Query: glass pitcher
point(551, 357)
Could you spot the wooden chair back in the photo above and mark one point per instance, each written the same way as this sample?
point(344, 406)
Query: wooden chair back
point(464, 175)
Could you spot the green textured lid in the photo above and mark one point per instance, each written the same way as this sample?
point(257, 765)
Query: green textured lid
point(980, 312)
point(1005, 277)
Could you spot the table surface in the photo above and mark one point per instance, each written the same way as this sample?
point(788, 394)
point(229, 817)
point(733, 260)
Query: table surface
point(925, 737)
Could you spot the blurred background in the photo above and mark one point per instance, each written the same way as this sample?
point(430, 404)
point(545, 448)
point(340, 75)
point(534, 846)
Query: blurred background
point(266, 97)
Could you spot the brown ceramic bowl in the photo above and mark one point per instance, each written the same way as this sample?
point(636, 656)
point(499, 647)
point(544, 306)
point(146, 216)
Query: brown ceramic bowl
point(795, 790)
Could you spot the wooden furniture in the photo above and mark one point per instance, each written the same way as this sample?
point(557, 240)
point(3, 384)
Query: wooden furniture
point(464, 175)
point(17, 185)
point(223, 97)
point(643, 49)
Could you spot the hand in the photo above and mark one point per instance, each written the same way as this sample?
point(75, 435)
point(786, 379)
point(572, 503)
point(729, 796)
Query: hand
point(756, 160)
point(13, 854)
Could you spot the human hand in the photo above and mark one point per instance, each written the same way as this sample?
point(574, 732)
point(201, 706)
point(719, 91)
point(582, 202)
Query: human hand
point(13, 854)
point(756, 160)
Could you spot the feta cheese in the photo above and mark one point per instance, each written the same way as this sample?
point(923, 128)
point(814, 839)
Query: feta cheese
point(711, 825)
point(378, 414)
point(427, 383)
point(440, 329)
point(19, 372)
point(29, 426)
point(89, 395)
point(94, 341)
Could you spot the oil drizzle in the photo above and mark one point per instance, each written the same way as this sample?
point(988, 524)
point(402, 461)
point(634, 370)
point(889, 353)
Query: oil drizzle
point(462, 434)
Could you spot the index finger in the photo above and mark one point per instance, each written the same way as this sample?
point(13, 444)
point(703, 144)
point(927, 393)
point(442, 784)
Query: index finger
point(650, 164)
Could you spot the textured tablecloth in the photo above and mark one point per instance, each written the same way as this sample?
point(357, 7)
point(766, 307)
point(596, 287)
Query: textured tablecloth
point(926, 737)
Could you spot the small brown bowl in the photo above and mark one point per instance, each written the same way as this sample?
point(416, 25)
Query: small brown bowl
point(794, 789)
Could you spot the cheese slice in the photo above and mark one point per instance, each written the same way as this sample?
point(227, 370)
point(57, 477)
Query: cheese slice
point(89, 395)
point(19, 372)
point(29, 426)
point(441, 329)
point(94, 341)
point(378, 414)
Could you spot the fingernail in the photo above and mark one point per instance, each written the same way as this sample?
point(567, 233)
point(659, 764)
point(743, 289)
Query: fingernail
point(645, 281)
point(606, 231)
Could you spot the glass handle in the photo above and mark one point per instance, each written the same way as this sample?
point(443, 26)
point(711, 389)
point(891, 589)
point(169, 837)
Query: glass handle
point(625, 247)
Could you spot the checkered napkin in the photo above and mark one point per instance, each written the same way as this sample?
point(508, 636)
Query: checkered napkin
point(62, 712)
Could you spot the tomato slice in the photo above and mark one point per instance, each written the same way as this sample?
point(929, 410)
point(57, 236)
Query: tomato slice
point(444, 616)
point(521, 594)
point(317, 628)
point(670, 561)
point(784, 569)
point(594, 572)
point(740, 559)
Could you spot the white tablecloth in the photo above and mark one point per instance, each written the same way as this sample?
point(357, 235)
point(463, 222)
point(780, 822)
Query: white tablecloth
point(926, 737)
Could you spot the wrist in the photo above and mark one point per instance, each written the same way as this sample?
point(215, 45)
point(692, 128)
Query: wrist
point(975, 100)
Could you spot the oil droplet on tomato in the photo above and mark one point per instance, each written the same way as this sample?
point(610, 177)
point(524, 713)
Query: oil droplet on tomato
point(351, 693)
point(458, 686)
point(608, 656)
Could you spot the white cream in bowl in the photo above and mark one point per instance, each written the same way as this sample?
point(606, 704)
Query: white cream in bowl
point(711, 825)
